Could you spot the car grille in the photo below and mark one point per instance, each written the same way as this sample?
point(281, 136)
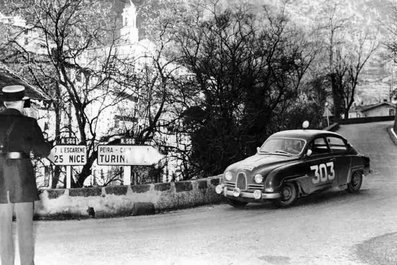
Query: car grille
point(230, 185)
point(250, 187)
point(255, 187)
point(241, 181)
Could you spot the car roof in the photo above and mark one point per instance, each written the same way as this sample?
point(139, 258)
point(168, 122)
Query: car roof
point(305, 134)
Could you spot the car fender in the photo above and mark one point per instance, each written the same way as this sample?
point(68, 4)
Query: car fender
point(290, 172)
point(359, 163)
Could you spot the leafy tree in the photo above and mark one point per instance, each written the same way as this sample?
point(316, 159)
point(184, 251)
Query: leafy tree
point(161, 21)
point(247, 69)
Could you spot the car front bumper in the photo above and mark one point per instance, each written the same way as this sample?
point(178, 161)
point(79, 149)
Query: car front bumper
point(256, 195)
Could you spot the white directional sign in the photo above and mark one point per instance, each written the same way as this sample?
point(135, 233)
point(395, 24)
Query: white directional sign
point(124, 155)
point(68, 155)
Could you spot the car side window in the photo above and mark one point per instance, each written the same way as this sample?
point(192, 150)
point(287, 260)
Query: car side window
point(319, 146)
point(336, 144)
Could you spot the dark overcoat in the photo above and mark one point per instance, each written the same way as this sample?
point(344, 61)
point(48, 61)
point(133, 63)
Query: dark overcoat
point(17, 175)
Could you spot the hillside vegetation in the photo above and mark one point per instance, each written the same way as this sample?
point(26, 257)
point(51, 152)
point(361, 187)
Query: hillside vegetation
point(375, 16)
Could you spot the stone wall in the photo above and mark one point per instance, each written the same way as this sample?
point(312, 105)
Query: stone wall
point(125, 200)
point(366, 120)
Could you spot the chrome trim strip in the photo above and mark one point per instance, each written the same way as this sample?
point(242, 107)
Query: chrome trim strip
point(257, 186)
point(251, 195)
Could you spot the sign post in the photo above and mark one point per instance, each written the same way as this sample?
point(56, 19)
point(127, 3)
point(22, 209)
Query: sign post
point(127, 156)
point(68, 176)
point(122, 155)
point(127, 175)
point(327, 113)
point(68, 155)
point(127, 169)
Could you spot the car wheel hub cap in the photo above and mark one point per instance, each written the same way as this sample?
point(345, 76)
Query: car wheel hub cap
point(356, 181)
point(286, 194)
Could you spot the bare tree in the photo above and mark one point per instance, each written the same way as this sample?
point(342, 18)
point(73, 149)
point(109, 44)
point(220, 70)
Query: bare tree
point(80, 65)
point(359, 54)
point(391, 43)
point(333, 25)
point(348, 46)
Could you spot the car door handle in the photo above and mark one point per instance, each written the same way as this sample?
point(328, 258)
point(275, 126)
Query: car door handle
point(332, 159)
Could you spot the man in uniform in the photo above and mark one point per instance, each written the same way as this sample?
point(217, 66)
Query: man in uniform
point(19, 137)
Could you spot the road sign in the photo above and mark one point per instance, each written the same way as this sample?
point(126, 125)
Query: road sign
point(128, 155)
point(68, 140)
point(68, 155)
point(127, 141)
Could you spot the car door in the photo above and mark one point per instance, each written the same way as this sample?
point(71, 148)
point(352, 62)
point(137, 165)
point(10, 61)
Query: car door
point(339, 150)
point(320, 166)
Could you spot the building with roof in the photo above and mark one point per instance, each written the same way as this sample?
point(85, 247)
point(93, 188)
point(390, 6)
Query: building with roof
point(124, 117)
point(117, 119)
point(373, 110)
point(8, 77)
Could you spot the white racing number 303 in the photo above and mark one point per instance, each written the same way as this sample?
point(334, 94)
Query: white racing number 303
point(323, 172)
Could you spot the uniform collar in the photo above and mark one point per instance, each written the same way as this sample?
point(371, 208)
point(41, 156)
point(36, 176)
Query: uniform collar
point(10, 111)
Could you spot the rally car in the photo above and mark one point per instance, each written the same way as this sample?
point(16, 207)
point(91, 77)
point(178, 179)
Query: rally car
point(291, 164)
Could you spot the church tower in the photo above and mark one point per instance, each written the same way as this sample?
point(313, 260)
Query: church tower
point(129, 30)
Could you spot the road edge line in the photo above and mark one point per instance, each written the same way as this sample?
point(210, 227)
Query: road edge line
point(392, 134)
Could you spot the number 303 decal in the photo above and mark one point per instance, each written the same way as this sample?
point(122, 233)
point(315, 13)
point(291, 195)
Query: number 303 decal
point(323, 172)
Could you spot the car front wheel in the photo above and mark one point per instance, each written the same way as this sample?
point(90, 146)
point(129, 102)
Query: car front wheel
point(289, 194)
point(355, 182)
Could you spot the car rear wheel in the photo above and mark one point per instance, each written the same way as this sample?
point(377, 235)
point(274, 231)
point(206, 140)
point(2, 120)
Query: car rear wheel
point(289, 194)
point(237, 204)
point(355, 182)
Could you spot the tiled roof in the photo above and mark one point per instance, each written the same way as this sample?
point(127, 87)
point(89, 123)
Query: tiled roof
point(7, 77)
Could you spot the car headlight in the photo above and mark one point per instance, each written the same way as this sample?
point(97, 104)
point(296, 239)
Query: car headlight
point(258, 178)
point(228, 176)
point(219, 189)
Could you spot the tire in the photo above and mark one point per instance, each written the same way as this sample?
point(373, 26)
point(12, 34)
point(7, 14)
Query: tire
point(236, 204)
point(355, 183)
point(289, 195)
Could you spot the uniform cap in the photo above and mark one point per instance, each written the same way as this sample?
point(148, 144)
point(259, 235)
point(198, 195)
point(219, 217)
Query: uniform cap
point(13, 93)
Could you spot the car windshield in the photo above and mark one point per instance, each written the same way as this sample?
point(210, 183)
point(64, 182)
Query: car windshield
point(283, 146)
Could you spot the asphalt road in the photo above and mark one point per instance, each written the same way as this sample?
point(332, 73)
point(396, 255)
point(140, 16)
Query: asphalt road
point(322, 229)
